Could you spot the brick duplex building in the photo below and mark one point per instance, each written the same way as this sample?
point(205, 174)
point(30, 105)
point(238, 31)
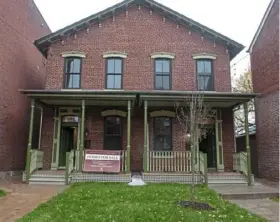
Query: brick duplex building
point(22, 66)
point(112, 81)
point(264, 51)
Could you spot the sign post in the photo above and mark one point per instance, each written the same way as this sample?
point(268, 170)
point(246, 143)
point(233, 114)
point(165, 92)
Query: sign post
point(102, 161)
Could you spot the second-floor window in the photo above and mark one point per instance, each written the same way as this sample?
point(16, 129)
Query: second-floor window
point(114, 71)
point(163, 74)
point(205, 79)
point(72, 72)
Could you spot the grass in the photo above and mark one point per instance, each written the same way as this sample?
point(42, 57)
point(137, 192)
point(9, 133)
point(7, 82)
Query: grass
point(2, 193)
point(122, 203)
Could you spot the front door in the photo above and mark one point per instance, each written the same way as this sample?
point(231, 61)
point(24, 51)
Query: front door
point(66, 144)
point(208, 146)
point(113, 133)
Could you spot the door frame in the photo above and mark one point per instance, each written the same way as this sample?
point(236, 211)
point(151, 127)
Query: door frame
point(60, 112)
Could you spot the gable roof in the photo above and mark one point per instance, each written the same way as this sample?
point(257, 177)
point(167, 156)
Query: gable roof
point(233, 47)
point(267, 12)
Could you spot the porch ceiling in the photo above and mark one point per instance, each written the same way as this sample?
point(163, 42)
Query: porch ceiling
point(120, 97)
point(213, 99)
point(74, 97)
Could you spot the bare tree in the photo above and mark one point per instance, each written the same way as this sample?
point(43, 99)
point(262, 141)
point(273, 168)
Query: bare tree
point(244, 84)
point(192, 114)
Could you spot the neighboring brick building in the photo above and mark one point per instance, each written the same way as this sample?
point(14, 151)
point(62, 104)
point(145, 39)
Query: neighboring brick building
point(264, 52)
point(108, 73)
point(21, 66)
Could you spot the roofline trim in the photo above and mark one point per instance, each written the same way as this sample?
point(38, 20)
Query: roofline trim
point(86, 21)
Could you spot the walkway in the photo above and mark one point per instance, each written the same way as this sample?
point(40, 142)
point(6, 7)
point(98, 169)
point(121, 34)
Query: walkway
point(254, 198)
point(23, 198)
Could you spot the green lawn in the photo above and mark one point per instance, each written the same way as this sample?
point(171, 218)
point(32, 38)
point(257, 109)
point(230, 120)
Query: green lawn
point(2, 193)
point(121, 203)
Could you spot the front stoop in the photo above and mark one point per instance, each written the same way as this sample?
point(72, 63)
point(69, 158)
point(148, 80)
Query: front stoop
point(46, 178)
point(227, 178)
point(99, 177)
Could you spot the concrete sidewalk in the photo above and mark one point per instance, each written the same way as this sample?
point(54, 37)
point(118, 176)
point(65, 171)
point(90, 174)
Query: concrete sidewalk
point(23, 198)
point(262, 207)
point(253, 198)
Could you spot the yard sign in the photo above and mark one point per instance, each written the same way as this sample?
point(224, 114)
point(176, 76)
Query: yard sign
point(102, 161)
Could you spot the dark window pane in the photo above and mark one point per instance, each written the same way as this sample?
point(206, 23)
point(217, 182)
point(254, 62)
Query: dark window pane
point(76, 66)
point(162, 134)
point(158, 66)
point(200, 66)
point(72, 81)
point(118, 66)
point(166, 66)
point(207, 67)
point(73, 65)
point(110, 66)
point(118, 82)
point(166, 84)
point(113, 126)
point(159, 82)
point(75, 81)
point(110, 81)
point(200, 81)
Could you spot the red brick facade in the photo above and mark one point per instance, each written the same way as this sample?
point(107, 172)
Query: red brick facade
point(265, 70)
point(139, 34)
point(22, 66)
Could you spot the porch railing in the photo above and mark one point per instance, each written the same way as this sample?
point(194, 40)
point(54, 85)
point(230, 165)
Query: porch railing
point(70, 165)
point(168, 161)
point(203, 166)
point(36, 160)
point(123, 160)
point(240, 162)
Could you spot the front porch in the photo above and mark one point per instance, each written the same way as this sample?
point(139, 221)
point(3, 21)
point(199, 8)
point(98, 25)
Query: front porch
point(76, 121)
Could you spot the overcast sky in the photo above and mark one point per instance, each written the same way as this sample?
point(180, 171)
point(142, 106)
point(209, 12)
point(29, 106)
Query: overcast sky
point(237, 19)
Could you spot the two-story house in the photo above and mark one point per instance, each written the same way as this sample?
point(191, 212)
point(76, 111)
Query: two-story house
point(112, 81)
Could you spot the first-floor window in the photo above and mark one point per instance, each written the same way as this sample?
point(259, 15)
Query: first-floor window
point(162, 134)
point(113, 133)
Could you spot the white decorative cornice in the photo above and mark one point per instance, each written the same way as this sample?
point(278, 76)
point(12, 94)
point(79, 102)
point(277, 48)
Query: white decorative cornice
point(204, 55)
point(163, 55)
point(113, 54)
point(73, 54)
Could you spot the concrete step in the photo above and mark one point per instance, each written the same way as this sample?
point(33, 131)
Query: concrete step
point(46, 183)
point(227, 182)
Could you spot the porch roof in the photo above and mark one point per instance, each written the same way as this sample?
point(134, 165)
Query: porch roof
point(120, 97)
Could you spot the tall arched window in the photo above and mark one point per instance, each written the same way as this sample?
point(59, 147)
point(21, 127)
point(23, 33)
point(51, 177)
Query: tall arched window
point(72, 73)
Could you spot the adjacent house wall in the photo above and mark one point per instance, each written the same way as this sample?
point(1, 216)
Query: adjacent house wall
point(21, 66)
point(265, 70)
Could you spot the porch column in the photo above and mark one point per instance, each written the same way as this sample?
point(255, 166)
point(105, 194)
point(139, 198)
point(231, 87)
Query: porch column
point(128, 136)
point(82, 136)
point(219, 142)
point(29, 146)
point(248, 150)
point(145, 136)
